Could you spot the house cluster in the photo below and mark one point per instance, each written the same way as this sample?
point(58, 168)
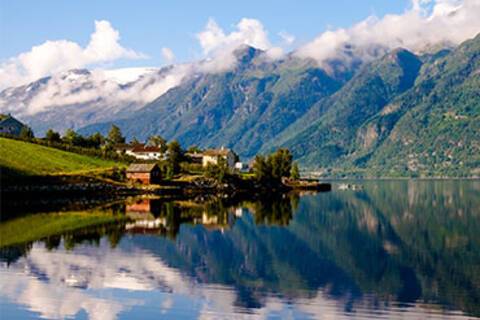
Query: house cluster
point(149, 173)
point(214, 156)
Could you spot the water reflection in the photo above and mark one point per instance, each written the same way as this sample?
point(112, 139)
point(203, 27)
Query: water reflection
point(391, 250)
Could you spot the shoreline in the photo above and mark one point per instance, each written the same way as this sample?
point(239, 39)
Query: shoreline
point(76, 185)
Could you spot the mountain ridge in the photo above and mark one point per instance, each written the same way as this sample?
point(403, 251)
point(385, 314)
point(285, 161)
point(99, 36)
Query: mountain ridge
point(345, 118)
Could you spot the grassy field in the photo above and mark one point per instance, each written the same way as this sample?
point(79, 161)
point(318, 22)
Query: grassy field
point(32, 159)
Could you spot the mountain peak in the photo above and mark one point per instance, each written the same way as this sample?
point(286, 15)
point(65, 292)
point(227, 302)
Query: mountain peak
point(246, 54)
point(74, 74)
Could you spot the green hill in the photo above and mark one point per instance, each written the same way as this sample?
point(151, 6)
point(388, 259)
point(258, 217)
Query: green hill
point(403, 114)
point(23, 158)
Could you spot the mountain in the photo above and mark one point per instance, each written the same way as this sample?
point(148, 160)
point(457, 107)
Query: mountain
point(327, 132)
point(244, 108)
point(438, 126)
point(402, 114)
point(79, 97)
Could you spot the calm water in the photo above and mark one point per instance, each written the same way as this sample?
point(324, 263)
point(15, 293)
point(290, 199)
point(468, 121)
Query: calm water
point(408, 250)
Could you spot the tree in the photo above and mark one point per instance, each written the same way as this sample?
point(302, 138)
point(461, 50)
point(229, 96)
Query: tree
point(219, 171)
point(115, 135)
point(174, 155)
point(274, 167)
point(295, 172)
point(52, 136)
point(194, 149)
point(26, 133)
point(159, 142)
point(72, 138)
point(95, 140)
point(261, 169)
point(281, 163)
point(134, 141)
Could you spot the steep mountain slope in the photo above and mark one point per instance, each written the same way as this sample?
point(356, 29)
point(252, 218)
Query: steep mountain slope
point(243, 108)
point(401, 115)
point(327, 132)
point(438, 127)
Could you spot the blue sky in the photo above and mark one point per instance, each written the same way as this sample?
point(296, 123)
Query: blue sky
point(41, 38)
point(147, 26)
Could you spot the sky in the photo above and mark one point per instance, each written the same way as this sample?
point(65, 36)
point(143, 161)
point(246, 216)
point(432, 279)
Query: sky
point(40, 38)
point(148, 25)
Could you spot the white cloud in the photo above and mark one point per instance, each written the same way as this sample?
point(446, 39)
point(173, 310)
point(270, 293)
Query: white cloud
point(98, 92)
point(60, 55)
point(168, 54)
point(219, 46)
point(426, 23)
point(286, 37)
point(248, 32)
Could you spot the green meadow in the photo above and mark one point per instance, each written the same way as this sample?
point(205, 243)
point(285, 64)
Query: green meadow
point(35, 160)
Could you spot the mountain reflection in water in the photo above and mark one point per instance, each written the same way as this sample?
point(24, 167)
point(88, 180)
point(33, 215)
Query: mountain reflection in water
point(394, 249)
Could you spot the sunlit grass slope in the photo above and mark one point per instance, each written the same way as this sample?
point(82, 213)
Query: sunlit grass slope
point(32, 159)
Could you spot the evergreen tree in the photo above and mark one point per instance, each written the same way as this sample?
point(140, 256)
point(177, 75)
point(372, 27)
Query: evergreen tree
point(174, 156)
point(115, 135)
point(53, 136)
point(95, 140)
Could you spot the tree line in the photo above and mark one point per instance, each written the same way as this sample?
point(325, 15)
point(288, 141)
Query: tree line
point(266, 169)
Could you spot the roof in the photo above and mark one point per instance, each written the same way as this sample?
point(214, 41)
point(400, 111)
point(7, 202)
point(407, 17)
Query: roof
point(126, 146)
point(9, 120)
point(141, 167)
point(216, 152)
point(140, 149)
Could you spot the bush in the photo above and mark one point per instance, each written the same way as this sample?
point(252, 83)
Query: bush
point(188, 167)
point(273, 168)
point(219, 172)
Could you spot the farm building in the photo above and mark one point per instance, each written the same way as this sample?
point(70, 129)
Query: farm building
point(141, 151)
point(212, 156)
point(145, 173)
point(10, 126)
point(147, 153)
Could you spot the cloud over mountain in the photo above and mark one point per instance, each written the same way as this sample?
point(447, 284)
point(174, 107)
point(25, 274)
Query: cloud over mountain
point(61, 55)
point(426, 23)
point(219, 46)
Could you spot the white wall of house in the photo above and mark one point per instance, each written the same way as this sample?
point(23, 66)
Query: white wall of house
point(146, 155)
point(213, 159)
point(206, 160)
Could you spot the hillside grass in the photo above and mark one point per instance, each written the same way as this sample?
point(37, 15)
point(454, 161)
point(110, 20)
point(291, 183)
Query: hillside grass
point(30, 159)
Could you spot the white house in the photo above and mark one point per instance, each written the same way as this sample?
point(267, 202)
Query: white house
point(146, 153)
point(214, 155)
